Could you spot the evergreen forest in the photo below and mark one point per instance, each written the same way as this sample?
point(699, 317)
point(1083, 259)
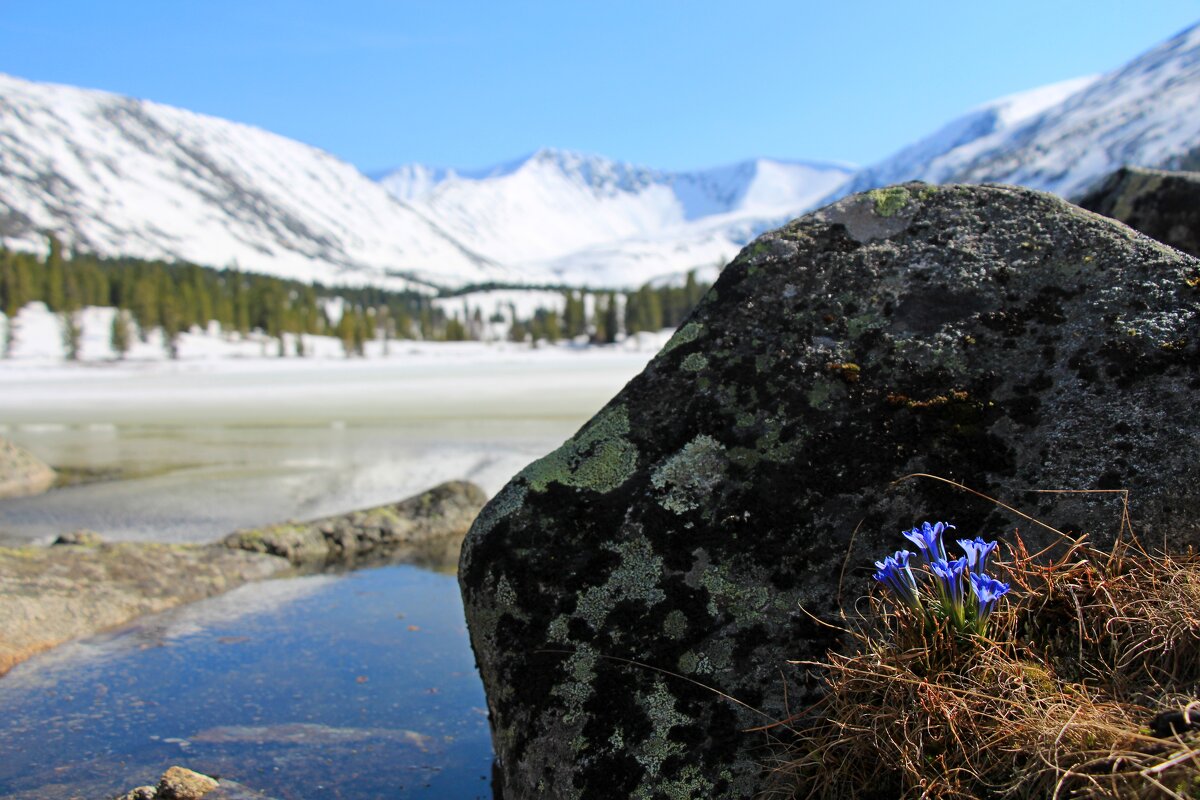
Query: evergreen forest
point(177, 297)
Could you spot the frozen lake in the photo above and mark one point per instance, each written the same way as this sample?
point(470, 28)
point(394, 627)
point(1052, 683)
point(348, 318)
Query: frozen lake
point(203, 448)
point(362, 684)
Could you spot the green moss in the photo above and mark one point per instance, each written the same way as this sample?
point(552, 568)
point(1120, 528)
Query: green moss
point(675, 625)
point(688, 333)
point(598, 458)
point(695, 362)
point(577, 690)
point(506, 503)
point(822, 394)
point(659, 705)
point(744, 598)
point(690, 476)
point(890, 200)
point(857, 325)
point(635, 578)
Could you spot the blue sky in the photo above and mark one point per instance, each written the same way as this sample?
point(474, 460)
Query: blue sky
point(667, 84)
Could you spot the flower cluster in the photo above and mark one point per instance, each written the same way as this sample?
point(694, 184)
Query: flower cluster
point(958, 590)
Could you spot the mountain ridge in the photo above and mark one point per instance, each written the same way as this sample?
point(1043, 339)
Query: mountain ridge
point(120, 176)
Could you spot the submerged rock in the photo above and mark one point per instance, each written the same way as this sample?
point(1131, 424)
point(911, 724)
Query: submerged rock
point(696, 533)
point(1163, 205)
point(411, 529)
point(311, 734)
point(22, 473)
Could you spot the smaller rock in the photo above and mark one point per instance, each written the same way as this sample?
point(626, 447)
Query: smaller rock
point(178, 783)
point(140, 793)
point(22, 473)
point(82, 537)
point(1163, 205)
point(412, 528)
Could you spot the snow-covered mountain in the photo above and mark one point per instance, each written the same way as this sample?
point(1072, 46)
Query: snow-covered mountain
point(1064, 137)
point(119, 176)
point(940, 156)
point(590, 220)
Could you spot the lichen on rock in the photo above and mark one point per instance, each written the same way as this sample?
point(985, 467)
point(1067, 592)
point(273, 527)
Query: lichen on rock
point(599, 457)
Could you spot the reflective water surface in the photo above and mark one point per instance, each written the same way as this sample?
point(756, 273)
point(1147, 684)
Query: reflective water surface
point(358, 686)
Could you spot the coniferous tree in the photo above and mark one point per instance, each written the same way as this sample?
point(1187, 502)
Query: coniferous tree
point(54, 294)
point(119, 334)
point(10, 335)
point(72, 334)
point(575, 316)
point(346, 331)
point(611, 319)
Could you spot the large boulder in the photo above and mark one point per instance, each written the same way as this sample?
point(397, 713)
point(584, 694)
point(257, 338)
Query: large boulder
point(1162, 205)
point(21, 472)
point(694, 535)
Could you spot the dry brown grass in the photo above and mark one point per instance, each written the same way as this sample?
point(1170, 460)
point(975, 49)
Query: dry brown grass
point(1055, 703)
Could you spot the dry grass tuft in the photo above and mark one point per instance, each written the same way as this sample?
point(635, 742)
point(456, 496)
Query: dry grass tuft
point(1057, 703)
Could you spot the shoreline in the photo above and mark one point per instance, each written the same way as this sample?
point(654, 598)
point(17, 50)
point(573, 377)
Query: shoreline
point(53, 594)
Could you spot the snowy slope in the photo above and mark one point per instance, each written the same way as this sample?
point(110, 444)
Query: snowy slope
point(588, 220)
point(1064, 137)
point(942, 155)
point(1146, 113)
point(115, 175)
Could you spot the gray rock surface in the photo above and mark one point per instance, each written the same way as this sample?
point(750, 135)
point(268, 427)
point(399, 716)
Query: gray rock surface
point(412, 530)
point(22, 473)
point(1163, 205)
point(50, 595)
point(693, 532)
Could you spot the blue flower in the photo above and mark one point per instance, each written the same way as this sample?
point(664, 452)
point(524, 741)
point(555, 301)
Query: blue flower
point(987, 591)
point(928, 539)
point(957, 591)
point(977, 551)
point(951, 578)
point(895, 573)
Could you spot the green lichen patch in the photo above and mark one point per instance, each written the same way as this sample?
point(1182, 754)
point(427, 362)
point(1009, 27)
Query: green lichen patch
point(659, 706)
point(889, 201)
point(690, 476)
point(507, 502)
point(688, 333)
point(695, 362)
point(635, 578)
point(598, 458)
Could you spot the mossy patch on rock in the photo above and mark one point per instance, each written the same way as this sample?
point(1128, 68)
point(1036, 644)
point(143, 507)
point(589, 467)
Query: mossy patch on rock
point(598, 458)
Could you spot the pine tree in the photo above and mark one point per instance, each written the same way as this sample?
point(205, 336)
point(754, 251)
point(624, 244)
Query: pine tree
point(10, 335)
point(72, 334)
point(119, 335)
point(611, 319)
point(346, 328)
point(55, 279)
point(575, 316)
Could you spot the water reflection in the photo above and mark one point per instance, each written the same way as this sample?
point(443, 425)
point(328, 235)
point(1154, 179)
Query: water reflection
point(358, 686)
